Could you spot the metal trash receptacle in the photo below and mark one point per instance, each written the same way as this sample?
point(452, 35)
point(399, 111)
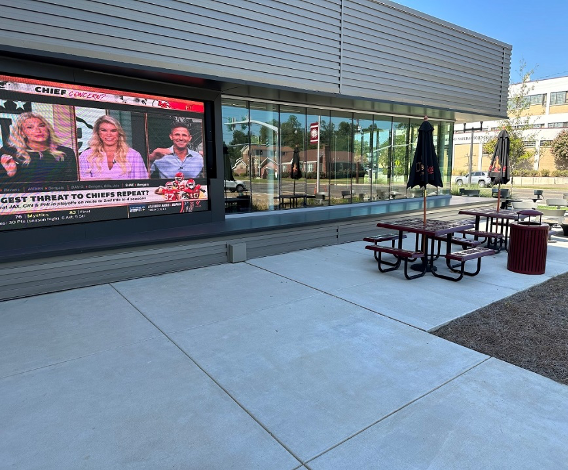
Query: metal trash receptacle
point(528, 243)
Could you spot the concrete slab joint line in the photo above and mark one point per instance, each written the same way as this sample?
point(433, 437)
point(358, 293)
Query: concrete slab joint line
point(236, 252)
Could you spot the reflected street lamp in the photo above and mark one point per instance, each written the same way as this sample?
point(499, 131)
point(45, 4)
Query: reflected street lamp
point(472, 129)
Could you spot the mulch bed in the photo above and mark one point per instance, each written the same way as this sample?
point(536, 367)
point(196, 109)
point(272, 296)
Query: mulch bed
point(528, 329)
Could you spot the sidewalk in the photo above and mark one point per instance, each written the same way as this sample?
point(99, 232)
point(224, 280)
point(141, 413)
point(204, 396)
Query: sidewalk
point(311, 359)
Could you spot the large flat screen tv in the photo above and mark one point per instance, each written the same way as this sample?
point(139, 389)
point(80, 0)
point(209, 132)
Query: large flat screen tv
point(72, 154)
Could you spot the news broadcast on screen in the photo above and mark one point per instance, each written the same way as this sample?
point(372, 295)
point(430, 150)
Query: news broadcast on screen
point(71, 154)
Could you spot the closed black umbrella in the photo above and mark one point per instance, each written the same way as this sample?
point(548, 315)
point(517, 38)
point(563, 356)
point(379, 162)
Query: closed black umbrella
point(228, 170)
point(425, 169)
point(499, 170)
point(296, 170)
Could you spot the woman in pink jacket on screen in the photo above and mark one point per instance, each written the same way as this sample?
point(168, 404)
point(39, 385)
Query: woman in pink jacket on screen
point(109, 157)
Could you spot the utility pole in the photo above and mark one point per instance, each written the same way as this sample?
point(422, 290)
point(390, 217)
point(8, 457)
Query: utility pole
point(480, 128)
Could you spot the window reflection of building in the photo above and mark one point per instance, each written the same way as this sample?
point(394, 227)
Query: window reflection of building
point(364, 155)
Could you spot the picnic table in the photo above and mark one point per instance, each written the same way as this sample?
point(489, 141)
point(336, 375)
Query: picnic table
point(427, 234)
point(496, 225)
point(292, 200)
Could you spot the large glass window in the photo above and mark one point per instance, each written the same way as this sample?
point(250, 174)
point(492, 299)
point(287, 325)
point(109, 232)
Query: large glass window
point(318, 155)
point(363, 158)
point(537, 100)
point(413, 141)
point(237, 156)
point(400, 161)
point(293, 152)
point(340, 164)
point(381, 157)
point(445, 132)
point(271, 161)
point(264, 146)
point(558, 97)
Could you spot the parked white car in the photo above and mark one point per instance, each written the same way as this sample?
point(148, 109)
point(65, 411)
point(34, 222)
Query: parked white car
point(235, 185)
point(480, 178)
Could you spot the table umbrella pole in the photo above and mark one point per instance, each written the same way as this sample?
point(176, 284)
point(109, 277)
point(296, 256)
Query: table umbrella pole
point(498, 197)
point(424, 205)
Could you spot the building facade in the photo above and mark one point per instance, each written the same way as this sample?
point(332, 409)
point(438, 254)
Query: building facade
point(547, 115)
point(249, 81)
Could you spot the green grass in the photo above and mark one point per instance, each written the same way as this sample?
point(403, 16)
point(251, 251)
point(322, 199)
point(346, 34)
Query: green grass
point(550, 207)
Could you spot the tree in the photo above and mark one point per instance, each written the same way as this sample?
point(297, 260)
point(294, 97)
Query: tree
point(559, 149)
point(401, 149)
point(517, 123)
point(292, 132)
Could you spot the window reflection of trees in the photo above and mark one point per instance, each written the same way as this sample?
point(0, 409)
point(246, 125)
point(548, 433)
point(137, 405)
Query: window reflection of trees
point(292, 135)
point(236, 141)
point(382, 154)
point(365, 156)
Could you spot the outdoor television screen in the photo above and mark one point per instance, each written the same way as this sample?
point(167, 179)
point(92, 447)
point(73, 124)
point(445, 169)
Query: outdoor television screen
point(74, 154)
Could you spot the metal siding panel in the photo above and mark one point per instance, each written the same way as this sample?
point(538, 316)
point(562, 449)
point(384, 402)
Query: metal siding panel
point(408, 58)
point(429, 71)
point(401, 47)
point(178, 59)
point(120, 28)
point(284, 48)
point(446, 87)
point(375, 50)
point(418, 21)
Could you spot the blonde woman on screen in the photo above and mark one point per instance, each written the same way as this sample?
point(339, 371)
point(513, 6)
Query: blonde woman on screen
point(35, 153)
point(109, 157)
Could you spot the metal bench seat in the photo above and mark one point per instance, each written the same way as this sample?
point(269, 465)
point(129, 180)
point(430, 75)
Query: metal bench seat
point(462, 257)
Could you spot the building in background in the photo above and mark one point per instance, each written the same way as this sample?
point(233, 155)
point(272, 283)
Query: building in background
point(548, 116)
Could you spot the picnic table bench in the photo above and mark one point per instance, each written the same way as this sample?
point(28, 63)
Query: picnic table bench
point(399, 254)
point(383, 237)
point(461, 241)
point(494, 239)
point(462, 257)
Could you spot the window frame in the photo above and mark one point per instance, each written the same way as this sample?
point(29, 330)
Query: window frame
point(558, 102)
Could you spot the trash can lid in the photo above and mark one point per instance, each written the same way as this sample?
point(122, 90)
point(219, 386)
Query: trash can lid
point(529, 212)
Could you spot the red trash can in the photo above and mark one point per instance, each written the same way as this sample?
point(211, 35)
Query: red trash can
point(528, 243)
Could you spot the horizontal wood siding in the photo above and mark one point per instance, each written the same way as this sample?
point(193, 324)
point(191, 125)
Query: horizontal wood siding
point(282, 43)
point(370, 49)
point(398, 55)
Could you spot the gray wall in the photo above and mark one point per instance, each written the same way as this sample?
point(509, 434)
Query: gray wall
point(363, 48)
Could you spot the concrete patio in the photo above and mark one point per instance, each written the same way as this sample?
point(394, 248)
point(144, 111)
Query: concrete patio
point(311, 359)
